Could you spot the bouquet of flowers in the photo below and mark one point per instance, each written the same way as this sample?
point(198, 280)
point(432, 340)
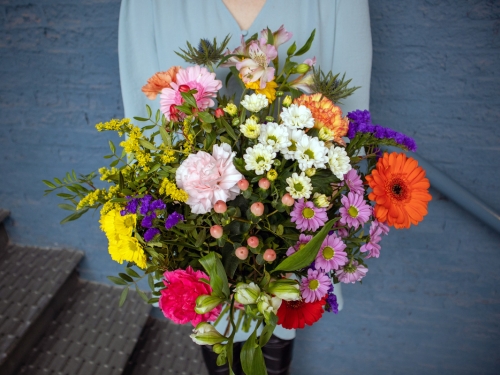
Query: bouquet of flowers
point(249, 208)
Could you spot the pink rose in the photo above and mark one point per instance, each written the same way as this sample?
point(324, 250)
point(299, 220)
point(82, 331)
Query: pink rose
point(209, 178)
point(178, 299)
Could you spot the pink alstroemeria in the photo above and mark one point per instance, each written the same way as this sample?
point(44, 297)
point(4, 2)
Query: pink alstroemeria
point(257, 66)
point(280, 36)
point(304, 83)
point(242, 50)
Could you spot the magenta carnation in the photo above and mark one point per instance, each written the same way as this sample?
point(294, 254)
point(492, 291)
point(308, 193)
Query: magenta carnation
point(209, 178)
point(178, 299)
point(331, 254)
point(303, 240)
point(314, 286)
point(307, 216)
point(355, 211)
point(194, 77)
point(351, 272)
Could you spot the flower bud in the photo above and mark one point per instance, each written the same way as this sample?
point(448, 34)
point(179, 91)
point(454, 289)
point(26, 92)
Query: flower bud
point(287, 200)
point(220, 207)
point(183, 88)
point(272, 175)
point(216, 231)
point(219, 112)
point(246, 294)
point(269, 255)
point(206, 334)
point(231, 109)
point(206, 303)
point(321, 200)
point(310, 172)
point(302, 68)
point(257, 209)
point(236, 121)
point(253, 241)
point(241, 252)
point(218, 348)
point(264, 183)
point(243, 184)
point(286, 289)
point(267, 305)
point(287, 102)
point(270, 118)
point(279, 93)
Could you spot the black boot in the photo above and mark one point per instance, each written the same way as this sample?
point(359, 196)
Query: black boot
point(210, 359)
point(278, 356)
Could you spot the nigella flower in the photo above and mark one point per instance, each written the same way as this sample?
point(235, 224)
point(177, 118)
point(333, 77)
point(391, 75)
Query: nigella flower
point(331, 301)
point(173, 219)
point(303, 240)
point(314, 286)
point(150, 234)
point(353, 182)
point(307, 216)
point(355, 211)
point(331, 255)
point(351, 272)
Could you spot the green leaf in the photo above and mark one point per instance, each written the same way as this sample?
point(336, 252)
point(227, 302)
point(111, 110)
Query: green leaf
point(64, 195)
point(114, 163)
point(165, 136)
point(147, 144)
point(206, 117)
point(68, 207)
point(74, 216)
point(228, 128)
point(148, 109)
point(112, 146)
point(131, 272)
point(49, 184)
point(218, 279)
point(116, 280)
point(206, 127)
point(141, 119)
point(306, 255)
point(251, 356)
point(291, 50)
point(151, 282)
point(201, 238)
point(189, 98)
point(306, 46)
point(153, 300)
point(126, 277)
point(123, 296)
point(142, 294)
point(268, 330)
point(122, 182)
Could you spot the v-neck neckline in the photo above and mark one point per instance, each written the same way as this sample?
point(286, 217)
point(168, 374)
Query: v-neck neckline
point(235, 22)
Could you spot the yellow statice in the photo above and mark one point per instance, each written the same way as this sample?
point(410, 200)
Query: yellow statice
point(107, 173)
point(117, 125)
point(90, 199)
point(168, 188)
point(269, 91)
point(122, 245)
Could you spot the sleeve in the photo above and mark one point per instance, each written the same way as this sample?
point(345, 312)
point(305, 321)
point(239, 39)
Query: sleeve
point(137, 54)
point(353, 50)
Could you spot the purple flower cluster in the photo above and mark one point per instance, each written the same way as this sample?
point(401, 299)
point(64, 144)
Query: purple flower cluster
point(173, 219)
point(360, 122)
point(147, 207)
point(331, 301)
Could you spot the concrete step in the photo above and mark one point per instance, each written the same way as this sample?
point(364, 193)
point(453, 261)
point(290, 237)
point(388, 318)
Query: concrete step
point(30, 278)
point(91, 335)
point(165, 348)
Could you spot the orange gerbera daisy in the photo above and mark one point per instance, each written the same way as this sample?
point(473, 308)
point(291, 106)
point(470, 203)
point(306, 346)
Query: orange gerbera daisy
point(325, 113)
point(400, 190)
point(160, 81)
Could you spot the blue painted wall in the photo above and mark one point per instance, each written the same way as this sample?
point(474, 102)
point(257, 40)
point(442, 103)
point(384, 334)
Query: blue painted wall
point(431, 302)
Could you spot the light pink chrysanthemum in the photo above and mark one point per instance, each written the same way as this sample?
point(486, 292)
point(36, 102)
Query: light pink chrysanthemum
point(353, 182)
point(209, 178)
point(193, 77)
point(351, 272)
point(257, 66)
point(372, 246)
point(303, 240)
point(331, 254)
point(307, 216)
point(355, 211)
point(314, 286)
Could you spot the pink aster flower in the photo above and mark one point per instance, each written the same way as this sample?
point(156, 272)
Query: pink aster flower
point(372, 246)
point(303, 240)
point(353, 182)
point(314, 286)
point(257, 66)
point(193, 77)
point(307, 216)
point(331, 254)
point(351, 272)
point(209, 178)
point(355, 211)
point(178, 299)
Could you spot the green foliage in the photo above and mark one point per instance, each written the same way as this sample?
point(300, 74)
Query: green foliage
point(331, 86)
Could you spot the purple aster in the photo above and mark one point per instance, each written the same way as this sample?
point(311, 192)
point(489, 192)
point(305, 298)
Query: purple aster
point(173, 219)
point(372, 246)
point(303, 240)
point(150, 234)
point(147, 222)
point(331, 254)
point(355, 211)
point(145, 202)
point(314, 286)
point(351, 272)
point(331, 302)
point(307, 216)
point(353, 182)
point(157, 205)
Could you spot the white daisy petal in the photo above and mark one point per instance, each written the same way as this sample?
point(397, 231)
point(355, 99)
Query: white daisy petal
point(254, 102)
point(299, 186)
point(338, 161)
point(259, 158)
point(297, 117)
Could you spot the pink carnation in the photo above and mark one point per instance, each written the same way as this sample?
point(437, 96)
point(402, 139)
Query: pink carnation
point(178, 299)
point(194, 77)
point(209, 178)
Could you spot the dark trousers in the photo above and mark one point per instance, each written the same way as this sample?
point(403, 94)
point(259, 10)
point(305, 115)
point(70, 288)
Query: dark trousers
point(277, 354)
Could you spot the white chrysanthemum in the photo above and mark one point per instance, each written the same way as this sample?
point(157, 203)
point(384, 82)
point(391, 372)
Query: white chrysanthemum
point(297, 117)
point(254, 102)
point(250, 129)
point(299, 186)
point(275, 136)
point(338, 161)
point(259, 158)
point(294, 136)
point(311, 152)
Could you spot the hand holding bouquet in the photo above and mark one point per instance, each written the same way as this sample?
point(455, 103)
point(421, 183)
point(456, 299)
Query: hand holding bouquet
point(253, 207)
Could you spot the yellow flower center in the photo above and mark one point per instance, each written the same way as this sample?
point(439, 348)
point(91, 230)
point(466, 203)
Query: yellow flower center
point(309, 153)
point(328, 253)
point(301, 246)
point(313, 284)
point(353, 211)
point(259, 159)
point(298, 186)
point(308, 213)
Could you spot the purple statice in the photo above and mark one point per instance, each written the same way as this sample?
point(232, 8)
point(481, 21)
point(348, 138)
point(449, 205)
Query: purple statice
point(145, 202)
point(147, 221)
point(331, 302)
point(173, 219)
point(130, 207)
point(157, 205)
point(360, 122)
point(150, 234)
